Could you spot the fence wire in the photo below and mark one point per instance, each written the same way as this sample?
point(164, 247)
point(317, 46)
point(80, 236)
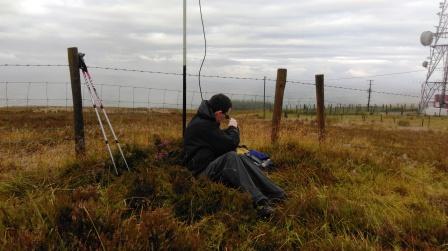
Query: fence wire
point(241, 78)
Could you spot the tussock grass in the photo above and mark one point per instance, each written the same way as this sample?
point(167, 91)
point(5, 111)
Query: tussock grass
point(370, 185)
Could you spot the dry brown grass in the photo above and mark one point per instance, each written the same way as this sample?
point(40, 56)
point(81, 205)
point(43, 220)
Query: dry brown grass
point(371, 185)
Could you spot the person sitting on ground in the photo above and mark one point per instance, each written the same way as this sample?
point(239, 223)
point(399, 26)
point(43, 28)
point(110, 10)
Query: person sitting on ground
point(211, 152)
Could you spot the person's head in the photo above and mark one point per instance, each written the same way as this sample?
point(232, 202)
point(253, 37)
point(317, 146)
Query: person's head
point(221, 106)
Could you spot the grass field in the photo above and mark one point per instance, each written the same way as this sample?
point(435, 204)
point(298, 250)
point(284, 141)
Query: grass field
point(377, 182)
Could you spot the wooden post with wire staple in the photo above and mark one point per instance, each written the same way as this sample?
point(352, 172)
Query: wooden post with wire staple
point(278, 103)
point(320, 106)
point(73, 61)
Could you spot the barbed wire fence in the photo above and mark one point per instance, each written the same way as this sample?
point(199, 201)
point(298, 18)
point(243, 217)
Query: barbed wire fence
point(137, 98)
point(57, 94)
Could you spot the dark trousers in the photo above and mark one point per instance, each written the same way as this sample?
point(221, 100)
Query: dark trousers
point(240, 172)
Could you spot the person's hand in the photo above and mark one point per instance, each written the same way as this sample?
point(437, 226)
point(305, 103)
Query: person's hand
point(233, 123)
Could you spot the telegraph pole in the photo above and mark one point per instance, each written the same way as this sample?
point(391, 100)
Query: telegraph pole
point(370, 94)
point(184, 107)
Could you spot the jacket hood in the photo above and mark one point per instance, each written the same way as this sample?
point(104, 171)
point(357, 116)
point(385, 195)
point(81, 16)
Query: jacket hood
point(205, 111)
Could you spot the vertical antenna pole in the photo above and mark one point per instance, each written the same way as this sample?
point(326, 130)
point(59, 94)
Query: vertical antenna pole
point(184, 107)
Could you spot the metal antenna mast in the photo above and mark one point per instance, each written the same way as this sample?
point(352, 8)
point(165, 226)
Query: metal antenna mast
point(438, 43)
point(184, 79)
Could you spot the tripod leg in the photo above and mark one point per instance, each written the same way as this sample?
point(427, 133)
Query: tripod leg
point(101, 125)
point(115, 137)
point(108, 122)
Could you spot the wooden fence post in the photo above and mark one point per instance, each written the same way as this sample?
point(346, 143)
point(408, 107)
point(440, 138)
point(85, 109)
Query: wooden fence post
point(278, 104)
point(73, 61)
point(320, 106)
point(264, 98)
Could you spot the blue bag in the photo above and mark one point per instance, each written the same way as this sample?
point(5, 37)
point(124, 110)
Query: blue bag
point(259, 155)
point(261, 160)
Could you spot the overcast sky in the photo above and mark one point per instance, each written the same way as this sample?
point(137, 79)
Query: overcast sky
point(339, 38)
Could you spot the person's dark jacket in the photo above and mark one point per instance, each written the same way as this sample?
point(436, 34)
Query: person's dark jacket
point(204, 141)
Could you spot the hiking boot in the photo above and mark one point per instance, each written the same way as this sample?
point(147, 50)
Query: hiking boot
point(264, 210)
point(275, 200)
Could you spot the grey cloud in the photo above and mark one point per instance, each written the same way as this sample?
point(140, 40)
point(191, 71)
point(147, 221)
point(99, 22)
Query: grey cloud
point(341, 38)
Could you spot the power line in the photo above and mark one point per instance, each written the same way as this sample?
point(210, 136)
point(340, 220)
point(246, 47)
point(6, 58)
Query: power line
point(373, 76)
point(355, 89)
point(396, 94)
point(377, 75)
